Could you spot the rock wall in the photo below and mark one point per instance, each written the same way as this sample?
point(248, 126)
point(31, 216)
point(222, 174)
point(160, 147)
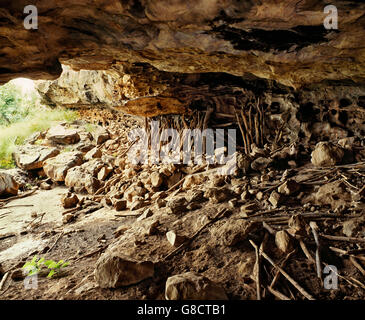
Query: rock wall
point(276, 40)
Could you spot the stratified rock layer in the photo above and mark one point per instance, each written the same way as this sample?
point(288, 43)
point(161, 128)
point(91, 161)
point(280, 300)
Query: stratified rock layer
point(282, 41)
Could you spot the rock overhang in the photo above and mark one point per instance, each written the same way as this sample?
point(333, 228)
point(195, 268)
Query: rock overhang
point(285, 42)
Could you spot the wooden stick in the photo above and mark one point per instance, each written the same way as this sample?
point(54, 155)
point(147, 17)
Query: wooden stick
point(17, 206)
point(3, 280)
point(257, 133)
point(306, 252)
point(19, 196)
point(250, 139)
point(346, 239)
point(9, 235)
point(282, 265)
point(54, 244)
point(290, 279)
point(278, 294)
point(91, 253)
point(357, 265)
point(256, 271)
point(314, 228)
point(268, 228)
point(242, 133)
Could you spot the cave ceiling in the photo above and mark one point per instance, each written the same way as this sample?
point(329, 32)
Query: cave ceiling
point(284, 41)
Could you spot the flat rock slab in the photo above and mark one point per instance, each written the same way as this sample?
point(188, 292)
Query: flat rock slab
point(32, 157)
point(193, 286)
point(8, 185)
point(57, 168)
point(62, 135)
point(113, 271)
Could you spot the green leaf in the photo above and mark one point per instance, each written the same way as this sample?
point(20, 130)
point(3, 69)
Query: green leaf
point(65, 264)
point(51, 274)
point(52, 265)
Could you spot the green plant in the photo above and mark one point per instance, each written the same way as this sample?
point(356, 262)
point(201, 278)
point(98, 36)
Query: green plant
point(34, 266)
point(55, 266)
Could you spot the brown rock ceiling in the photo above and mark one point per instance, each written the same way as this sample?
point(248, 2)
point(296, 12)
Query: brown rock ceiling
point(277, 40)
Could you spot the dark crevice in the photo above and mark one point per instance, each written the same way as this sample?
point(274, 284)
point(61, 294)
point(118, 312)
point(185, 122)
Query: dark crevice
point(264, 40)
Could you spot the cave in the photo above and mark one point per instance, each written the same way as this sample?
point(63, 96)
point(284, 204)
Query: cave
point(208, 150)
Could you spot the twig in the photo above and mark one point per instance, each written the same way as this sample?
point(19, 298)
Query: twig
point(306, 252)
point(268, 228)
point(17, 206)
point(242, 133)
point(278, 294)
point(58, 238)
point(91, 253)
point(126, 151)
point(290, 279)
point(314, 228)
point(5, 236)
point(256, 270)
point(357, 265)
point(19, 196)
point(3, 280)
point(128, 215)
point(282, 265)
point(346, 239)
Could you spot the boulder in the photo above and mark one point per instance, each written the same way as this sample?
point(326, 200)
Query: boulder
point(157, 179)
point(69, 200)
point(62, 135)
point(193, 286)
point(174, 239)
point(113, 270)
point(260, 163)
point(192, 180)
point(195, 196)
point(79, 178)
point(93, 166)
point(32, 157)
point(104, 173)
point(327, 154)
point(146, 214)
point(276, 198)
point(94, 153)
point(100, 135)
point(8, 185)
point(177, 205)
point(120, 205)
point(283, 241)
point(57, 168)
point(289, 187)
point(19, 175)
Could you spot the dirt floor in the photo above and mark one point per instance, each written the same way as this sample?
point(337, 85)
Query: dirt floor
point(82, 242)
point(302, 215)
